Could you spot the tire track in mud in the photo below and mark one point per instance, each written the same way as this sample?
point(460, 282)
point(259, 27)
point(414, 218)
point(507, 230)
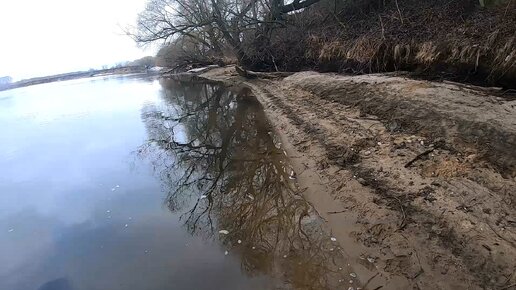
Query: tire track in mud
point(397, 199)
point(446, 241)
point(435, 232)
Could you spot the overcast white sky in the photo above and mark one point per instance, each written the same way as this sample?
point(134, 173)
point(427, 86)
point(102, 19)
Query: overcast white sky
point(42, 37)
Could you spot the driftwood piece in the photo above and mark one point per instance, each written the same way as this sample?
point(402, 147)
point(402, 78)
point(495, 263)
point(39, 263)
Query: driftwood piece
point(490, 90)
point(262, 75)
point(245, 73)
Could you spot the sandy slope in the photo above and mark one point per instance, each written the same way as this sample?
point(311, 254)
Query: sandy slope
point(445, 220)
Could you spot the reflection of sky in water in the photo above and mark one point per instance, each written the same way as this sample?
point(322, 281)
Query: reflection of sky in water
point(64, 147)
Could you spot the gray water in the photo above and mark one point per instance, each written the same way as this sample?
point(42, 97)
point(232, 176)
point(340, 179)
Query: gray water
point(126, 183)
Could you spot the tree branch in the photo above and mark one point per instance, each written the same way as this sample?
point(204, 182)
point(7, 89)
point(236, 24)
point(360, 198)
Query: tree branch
point(297, 5)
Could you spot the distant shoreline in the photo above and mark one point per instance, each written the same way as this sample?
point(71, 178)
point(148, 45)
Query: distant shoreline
point(73, 75)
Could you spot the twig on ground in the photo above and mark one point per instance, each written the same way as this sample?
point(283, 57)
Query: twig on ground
point(509, 286)
point(301, 142)
point(419, 157)
point(500, 236)
point(369, 280)
point(299, 192)
point(403, 223)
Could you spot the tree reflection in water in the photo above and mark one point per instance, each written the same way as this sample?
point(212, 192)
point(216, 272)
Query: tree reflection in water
point(223, 168)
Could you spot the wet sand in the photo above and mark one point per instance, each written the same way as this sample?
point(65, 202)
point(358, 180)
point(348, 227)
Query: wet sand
point(415, 175)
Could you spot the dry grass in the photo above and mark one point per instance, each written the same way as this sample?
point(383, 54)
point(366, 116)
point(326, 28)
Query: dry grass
point(454, 37)
point(371, 54)
point(427, 53)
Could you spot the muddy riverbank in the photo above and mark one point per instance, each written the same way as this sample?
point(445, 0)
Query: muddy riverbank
point(415, 175)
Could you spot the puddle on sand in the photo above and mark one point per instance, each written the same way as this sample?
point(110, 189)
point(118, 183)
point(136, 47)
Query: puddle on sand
point(225, 173)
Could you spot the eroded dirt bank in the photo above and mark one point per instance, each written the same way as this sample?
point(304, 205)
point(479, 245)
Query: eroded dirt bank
point(416, 179)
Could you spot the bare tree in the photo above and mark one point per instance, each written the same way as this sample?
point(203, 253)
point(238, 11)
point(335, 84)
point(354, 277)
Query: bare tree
point(184, 53)
point(211, 22)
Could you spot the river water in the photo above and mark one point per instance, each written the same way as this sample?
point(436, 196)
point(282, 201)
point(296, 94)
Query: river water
point(138, 183)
